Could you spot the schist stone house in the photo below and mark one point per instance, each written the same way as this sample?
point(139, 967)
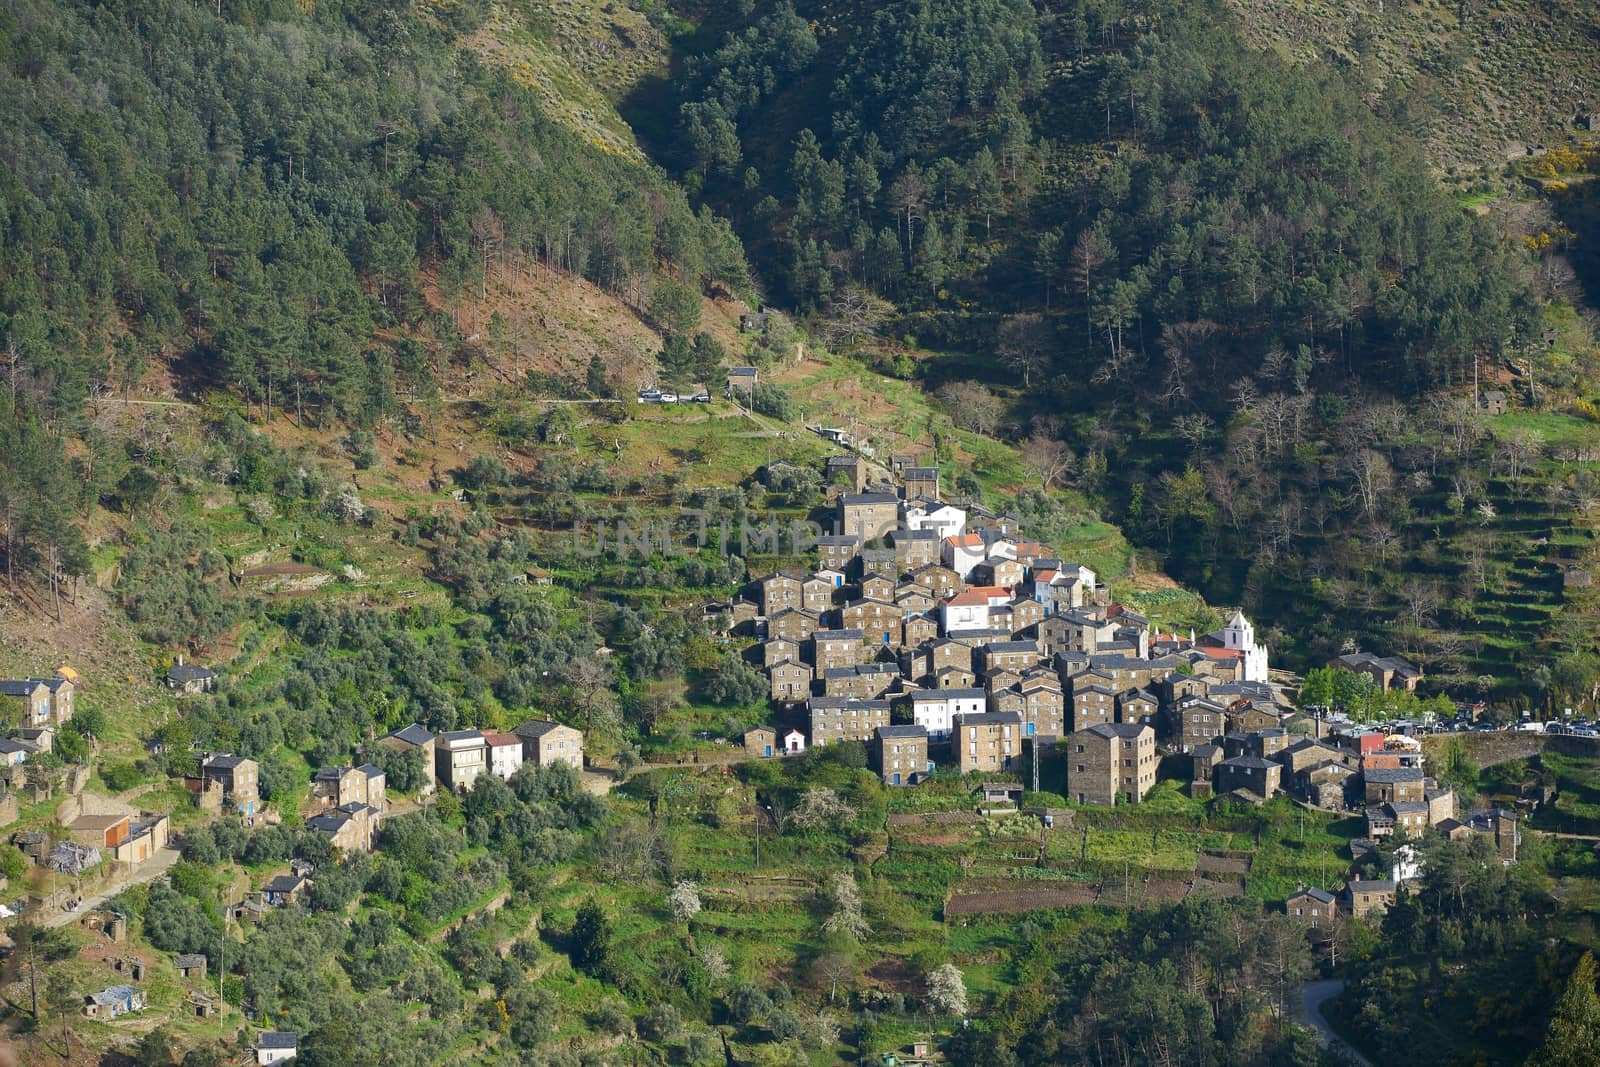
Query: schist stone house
point(190, 678)
point(988, 741)
point(1390, 672)
point(1106, 760)
point(39, 701)
point(414, 738)
point(239, 777)
point(900, 754)
point(547, 742)
point(836, 719)
point(1315, 906)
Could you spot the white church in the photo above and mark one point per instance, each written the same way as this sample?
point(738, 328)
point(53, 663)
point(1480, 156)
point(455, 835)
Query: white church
point(1239, 636)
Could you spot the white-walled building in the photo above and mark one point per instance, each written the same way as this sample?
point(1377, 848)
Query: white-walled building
point(970, 609)
point(1239, 636)
point(945, 519)
point(935, 709)
point(505, 754)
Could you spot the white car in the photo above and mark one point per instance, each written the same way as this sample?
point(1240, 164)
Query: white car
point(669, 398)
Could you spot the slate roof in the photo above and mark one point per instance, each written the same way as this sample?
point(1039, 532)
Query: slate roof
point(415, 734)
point(1128, 731)
point(928, 696)
point(991, 718)
point(278, 1039)
point(1390, 775)
point(902, 731)
point(1321, 895)
point(189, 672)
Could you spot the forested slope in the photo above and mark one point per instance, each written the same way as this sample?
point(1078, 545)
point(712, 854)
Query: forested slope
point(248, 197)
point(1228, 283)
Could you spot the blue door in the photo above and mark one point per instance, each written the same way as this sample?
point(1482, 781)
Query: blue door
point(769, 750)
point(1030, 729)
point(897, 778)
point(886, 637)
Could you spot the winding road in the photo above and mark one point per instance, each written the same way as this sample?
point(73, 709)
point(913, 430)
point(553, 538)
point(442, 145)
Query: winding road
point(1312, 998)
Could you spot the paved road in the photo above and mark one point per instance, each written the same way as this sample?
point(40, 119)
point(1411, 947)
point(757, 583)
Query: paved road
point(1312, 998)
point(153, 869)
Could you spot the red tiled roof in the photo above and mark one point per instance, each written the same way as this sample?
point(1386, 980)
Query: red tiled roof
point(502, 740)
point(978, 594)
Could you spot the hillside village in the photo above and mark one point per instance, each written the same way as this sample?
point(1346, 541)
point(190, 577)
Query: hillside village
point(933, 633)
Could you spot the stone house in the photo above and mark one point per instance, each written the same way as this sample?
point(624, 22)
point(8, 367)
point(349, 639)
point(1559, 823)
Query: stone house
point(781, 591)
point(760, 742)
point(191, 965)
point(915, 548)
point(914, 599)
point(921, 483)
point(239, 777)
point(1385, 784)
point(1043, 706)
point(1108, 759)
point(838, 550)
point(917, 629)
point(1204, 759)
point(837, 648)
point(846, 469)
point(777, 650)
point(113, 1002)
point(1200, 722)
point(900, 754)
point(817, 593)
point(1008, 656)
point(351, 826)
point(414, 738)
point(835, 719)
point(939, 580)
point(988, 741)
point(1317, 907)
point(1091, 705)
point(789, 682)
point(545, 743)
point(1261, 777)
point(1363, 898)
point(877, 587)
point(190, 678)
point(1247, 718)
point(878, 620)
point(869, 516)
point(1137, 705)
point(954, 677)
point(865, 682)
point(1025, 615)
point(791, 624)
point(39, 701)
point(879, 562)
point(1390, 672)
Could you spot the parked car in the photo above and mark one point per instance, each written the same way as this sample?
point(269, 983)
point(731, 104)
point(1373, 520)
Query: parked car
point(649, 396)
point(701, 398)
point(669, 398)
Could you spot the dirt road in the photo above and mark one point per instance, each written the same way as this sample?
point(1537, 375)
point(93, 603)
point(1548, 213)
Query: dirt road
point(149, 871)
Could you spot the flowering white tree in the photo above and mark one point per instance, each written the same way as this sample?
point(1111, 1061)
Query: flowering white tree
point(947, 990)
point(684, 900)
point(847, 918)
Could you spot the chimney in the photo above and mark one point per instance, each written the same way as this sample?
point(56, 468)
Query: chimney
point(180, 659)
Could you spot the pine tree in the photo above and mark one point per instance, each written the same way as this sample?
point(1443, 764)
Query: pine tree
point(1574, 1036)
